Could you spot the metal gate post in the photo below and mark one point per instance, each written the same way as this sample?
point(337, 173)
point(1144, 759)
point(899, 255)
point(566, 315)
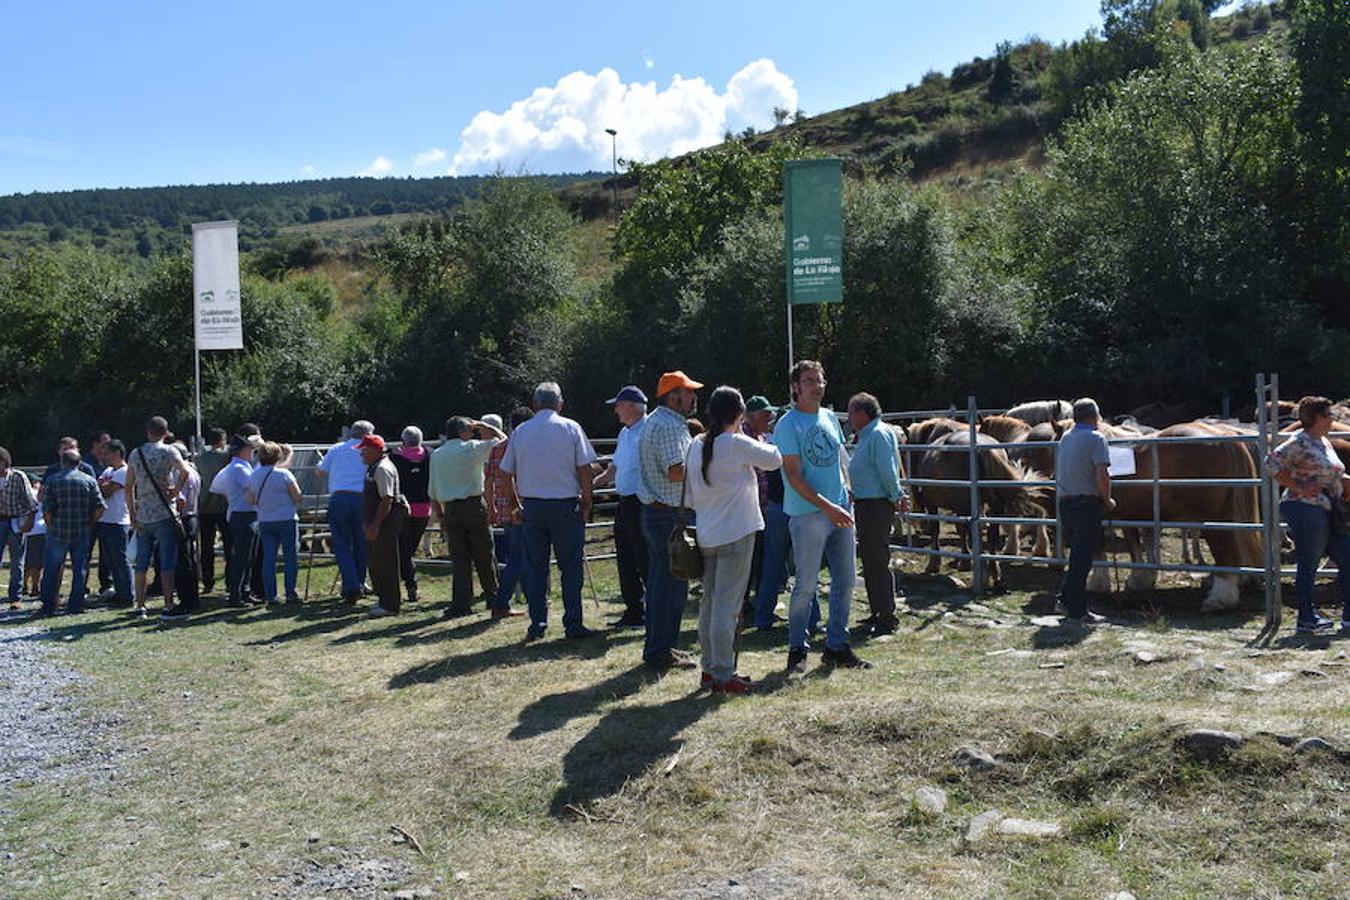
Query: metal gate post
point(1270, 512)
point(1157, 507)
point(976, 541)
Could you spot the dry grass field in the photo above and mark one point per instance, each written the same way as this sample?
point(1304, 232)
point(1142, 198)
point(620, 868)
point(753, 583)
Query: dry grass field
point(309, 751)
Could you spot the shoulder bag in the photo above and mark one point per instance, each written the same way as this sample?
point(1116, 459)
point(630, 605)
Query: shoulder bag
point(686, 560)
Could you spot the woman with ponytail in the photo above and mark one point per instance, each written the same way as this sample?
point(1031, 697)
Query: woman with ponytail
point(723, 490)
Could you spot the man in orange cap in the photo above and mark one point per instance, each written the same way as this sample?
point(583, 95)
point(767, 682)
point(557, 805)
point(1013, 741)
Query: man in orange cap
point(385, 508)
point(661, 450)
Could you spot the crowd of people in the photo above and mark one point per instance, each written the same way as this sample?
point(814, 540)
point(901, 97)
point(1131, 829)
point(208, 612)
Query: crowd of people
point(758, 485)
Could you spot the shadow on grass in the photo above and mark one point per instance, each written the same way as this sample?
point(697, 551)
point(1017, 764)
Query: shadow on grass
point(624, 744)
point(553, 711)
point(505, 656)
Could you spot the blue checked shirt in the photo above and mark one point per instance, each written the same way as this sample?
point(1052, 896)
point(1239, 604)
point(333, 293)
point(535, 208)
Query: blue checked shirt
point(69, 499)
point(874, 468)
point(663, 443)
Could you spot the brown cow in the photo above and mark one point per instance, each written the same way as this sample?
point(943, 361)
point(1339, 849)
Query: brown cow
point(999, 501)
point(1215, 503)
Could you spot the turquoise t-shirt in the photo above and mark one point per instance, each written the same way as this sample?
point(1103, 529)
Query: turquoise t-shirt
point(816, 440)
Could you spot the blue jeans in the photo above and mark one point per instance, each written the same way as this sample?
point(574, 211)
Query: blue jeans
point(666, 594)
point(815, 537)
point(1310, 527)
point(12, 540)
point(555, 523)
point(511, 553)
point(346, 522)
point(286, 535)
point(112, 549)
point(773, 567)
point(51, 573)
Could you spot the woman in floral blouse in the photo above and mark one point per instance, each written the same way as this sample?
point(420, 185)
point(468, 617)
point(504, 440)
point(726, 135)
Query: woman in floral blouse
point(1307, 467)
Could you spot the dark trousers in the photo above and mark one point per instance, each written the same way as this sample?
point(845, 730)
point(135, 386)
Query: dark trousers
point(382, 560)
point(512, 558)
point(666, 594)
point(469, 538)
point(556, 524)
point(631, 549)
point(239, 564)
point(209, 524)
point(874, 519)
point(409, 539)
point(1081, 519)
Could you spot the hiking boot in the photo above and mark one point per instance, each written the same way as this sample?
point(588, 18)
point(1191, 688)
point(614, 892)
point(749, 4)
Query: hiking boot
point(843, 658)
point(796, 663)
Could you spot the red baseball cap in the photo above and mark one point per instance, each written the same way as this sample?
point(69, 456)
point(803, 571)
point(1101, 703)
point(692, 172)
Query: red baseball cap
point(371, 440)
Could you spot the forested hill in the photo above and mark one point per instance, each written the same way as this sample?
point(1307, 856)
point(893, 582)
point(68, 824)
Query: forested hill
point(144, 219)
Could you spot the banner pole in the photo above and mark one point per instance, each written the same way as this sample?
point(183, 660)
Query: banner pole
point(791, 358)
point(197, 380)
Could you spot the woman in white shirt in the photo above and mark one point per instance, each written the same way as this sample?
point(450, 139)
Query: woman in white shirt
point(723, 490)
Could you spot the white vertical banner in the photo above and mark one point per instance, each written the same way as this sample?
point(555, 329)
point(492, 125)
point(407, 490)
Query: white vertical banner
point(218, 323)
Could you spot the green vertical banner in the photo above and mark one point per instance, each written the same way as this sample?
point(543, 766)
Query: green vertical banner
point(813, 244)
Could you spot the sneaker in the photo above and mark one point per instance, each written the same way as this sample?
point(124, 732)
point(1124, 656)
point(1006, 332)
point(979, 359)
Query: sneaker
point(796, 664)
point(292, 597)
point(140, 613)
point(534, 633)
point(379, 612)
point(107, 592)
point(1091, 619)
point(14, 604)
point(879, 629)
point(273, 601)
point(412, 593)
point(736, 684)
point(1315, 625)
point(455, 612)
point(629, 620)
point(173, 614)
point(844, 658)
point(1061, 609)
point(507, 613)
point(580, 633)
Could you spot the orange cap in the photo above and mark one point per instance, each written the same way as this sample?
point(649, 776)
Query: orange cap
point(672, 380)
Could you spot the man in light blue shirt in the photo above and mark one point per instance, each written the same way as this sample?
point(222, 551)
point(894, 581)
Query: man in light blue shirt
point(630, 547)
point(346, 474)
point(874, 472)
point(549, 461)
point(819, 518)
point(1083, 492)
point(242, 514)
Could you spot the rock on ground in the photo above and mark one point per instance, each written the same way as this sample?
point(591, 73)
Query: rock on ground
point(982, 824)
point(974, 758)
point(1209, 743)
point(765, 883)
point(930, 799)
point(350, 874)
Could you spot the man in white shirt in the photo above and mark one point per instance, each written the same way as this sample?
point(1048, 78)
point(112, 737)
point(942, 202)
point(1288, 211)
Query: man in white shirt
point(346, 475)
point(114, 525)
point(549, 461)
point(624, 472)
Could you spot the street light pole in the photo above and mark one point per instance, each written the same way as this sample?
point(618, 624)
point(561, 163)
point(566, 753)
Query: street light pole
point(614, 178)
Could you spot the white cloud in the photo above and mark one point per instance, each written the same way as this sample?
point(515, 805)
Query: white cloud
point(648, 62)
point(563, 126)
point(380, 165)
point(427, 157)
point(307, 170)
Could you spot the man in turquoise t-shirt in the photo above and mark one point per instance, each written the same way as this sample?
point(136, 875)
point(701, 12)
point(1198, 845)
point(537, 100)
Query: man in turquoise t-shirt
point(815, 499)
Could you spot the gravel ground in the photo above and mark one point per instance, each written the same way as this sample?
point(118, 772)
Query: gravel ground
point(43, 733)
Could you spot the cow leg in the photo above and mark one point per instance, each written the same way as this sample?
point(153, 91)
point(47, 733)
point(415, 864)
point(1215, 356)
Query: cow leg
point(1223, 594)
point(934, 529)
point(1139, 579)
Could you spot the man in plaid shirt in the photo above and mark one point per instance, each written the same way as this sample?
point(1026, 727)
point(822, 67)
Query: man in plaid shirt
point(17, 505)
point(661, 448)
point(71, 504)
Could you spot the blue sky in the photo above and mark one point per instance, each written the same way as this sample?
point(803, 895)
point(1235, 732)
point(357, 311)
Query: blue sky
point(150, 93)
